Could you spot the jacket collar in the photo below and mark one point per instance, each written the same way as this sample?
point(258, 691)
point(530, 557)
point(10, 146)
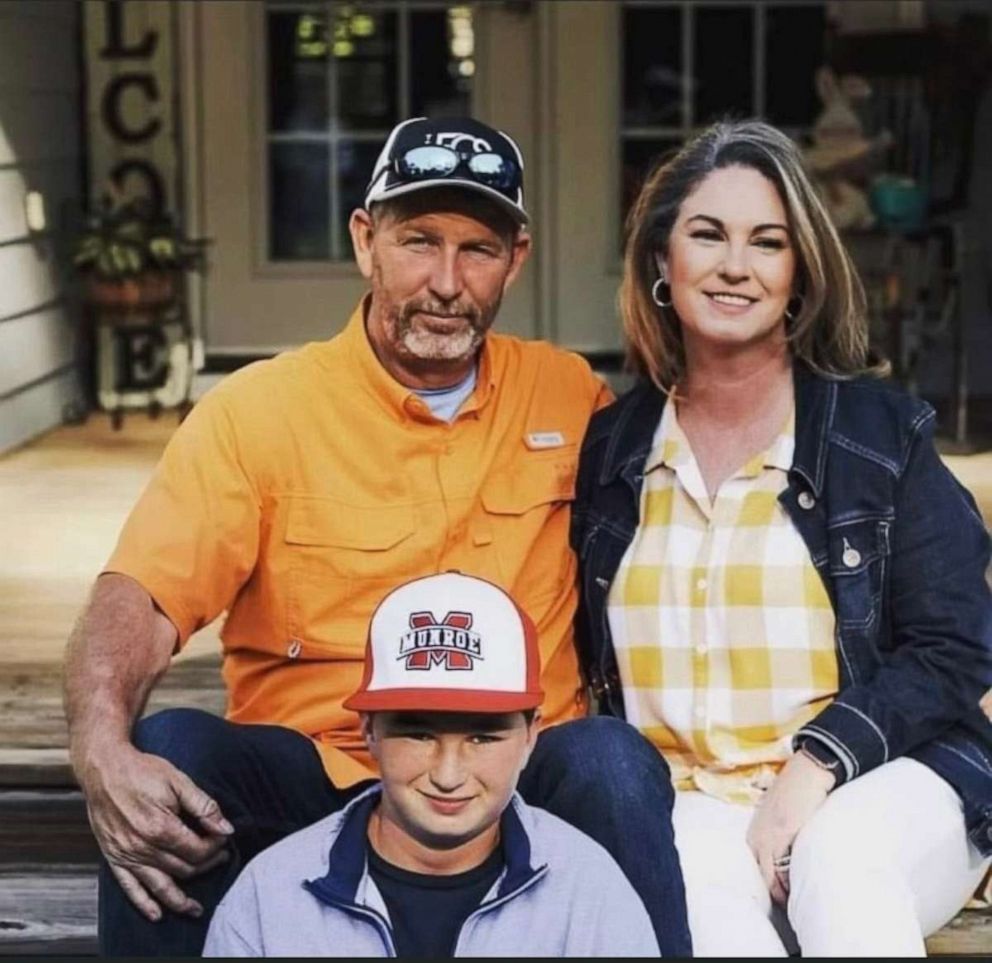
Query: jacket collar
point(347, 858)
point(630, 440)
point(816, 400)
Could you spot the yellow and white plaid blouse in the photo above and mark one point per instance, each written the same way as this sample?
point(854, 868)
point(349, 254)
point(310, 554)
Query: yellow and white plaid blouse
point(723, 630)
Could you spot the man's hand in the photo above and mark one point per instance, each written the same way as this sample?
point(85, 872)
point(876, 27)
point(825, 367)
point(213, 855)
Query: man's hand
point(798, 791)
point(139, 807)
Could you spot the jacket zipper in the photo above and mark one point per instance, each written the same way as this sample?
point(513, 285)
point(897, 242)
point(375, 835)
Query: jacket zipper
point(375, 918)
point(494, 904)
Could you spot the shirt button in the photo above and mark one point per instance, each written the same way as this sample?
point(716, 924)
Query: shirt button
point(701, 584)
point(806, 500)
point(293, 650)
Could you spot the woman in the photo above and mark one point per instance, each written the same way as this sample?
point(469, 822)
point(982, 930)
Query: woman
point(784, 588)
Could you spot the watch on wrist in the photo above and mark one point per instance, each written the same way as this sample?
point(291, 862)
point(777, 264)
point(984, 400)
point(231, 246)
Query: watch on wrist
point(822, 756)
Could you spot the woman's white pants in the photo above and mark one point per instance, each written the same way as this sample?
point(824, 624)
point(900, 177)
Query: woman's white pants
point(882, 864)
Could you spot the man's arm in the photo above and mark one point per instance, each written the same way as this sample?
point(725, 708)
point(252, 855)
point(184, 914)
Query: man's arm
point(118, 650)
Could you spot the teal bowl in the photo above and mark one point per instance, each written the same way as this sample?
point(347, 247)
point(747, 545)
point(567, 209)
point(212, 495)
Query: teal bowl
point(899, 203)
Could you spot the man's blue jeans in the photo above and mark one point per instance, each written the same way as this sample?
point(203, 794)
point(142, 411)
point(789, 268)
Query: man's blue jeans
point(598, 774)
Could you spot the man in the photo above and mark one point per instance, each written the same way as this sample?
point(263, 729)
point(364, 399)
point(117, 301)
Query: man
point(440, 859)
point(294, 496)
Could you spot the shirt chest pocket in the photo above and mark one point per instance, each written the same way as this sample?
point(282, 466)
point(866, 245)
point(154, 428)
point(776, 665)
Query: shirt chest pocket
point(536, 484)
point(524, 516)
point(346, 541)
point(342, 559)
point(859, 553)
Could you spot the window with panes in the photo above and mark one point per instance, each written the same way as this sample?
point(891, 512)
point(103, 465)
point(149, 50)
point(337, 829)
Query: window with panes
point(338, 77)
point(686, 63)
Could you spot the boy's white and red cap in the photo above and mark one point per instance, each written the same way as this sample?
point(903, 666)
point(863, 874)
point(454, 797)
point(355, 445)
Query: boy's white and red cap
point(449, 643)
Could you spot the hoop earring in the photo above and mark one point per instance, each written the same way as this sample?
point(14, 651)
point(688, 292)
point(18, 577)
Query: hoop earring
point(791, 315)
point(655, 294)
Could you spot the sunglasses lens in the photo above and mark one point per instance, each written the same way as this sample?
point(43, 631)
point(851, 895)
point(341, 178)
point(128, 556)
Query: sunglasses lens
point(423, 162)
point(489, 169)
point(494, 171)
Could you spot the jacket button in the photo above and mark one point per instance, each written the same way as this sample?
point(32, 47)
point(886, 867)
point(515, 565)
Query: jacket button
point(602, 583)
point(851, 557)
point(806, 500)
point(295, 645)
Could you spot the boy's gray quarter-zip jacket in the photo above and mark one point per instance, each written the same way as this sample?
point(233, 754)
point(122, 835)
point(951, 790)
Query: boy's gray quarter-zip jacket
point(560, 894)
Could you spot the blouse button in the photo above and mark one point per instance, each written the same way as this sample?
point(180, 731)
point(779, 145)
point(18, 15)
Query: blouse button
point(295, 645)
point(806, 500)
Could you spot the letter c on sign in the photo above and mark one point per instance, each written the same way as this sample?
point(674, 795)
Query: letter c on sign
point(110, 107)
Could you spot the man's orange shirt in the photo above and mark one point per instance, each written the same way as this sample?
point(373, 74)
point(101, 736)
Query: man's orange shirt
point(302, 489)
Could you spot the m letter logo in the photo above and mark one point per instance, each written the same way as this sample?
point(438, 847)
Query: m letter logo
point(449, 643)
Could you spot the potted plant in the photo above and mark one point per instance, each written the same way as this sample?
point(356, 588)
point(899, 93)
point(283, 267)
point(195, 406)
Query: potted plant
point(129, 257)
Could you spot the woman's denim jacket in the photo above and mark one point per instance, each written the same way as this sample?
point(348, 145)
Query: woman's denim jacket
point(912, 605)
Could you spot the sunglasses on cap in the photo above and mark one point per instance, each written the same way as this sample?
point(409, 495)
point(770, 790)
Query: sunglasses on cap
point(489, 169)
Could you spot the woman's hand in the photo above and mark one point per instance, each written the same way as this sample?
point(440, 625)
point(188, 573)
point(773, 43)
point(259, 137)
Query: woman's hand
point(798, 791)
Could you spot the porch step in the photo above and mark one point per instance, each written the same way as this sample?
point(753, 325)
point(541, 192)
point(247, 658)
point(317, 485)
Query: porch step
point(48, 911)
point(968, 934)
point(44, 827)
point(23, 766)
point(31, 714)
point(48, 867)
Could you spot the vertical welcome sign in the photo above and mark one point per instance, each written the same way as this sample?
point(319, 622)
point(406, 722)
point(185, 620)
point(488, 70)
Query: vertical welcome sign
point(132, 125)
point(131, 100)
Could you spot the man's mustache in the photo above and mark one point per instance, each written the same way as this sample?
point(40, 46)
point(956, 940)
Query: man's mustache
point(456, 311)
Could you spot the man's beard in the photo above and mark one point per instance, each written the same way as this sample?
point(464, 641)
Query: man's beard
point(429, 345)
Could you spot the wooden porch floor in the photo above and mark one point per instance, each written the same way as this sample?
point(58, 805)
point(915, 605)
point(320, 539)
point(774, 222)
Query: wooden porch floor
point(64, 498)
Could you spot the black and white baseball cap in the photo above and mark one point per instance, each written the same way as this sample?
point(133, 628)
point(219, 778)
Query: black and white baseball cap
point(450, 152)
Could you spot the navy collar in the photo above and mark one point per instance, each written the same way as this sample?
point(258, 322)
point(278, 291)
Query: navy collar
point(516, 850)
point(346, 860)
point(347, 857)
point(639, 412)
point(629, 441)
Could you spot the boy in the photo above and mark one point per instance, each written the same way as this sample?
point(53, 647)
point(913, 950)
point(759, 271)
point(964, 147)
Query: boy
point(441, 858)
